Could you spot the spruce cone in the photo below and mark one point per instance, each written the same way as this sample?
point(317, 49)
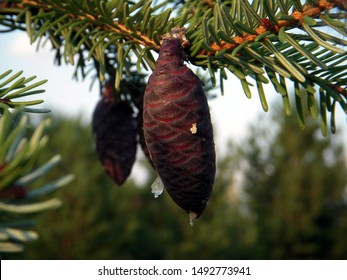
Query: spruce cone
point(178, 130)
point(115, 136)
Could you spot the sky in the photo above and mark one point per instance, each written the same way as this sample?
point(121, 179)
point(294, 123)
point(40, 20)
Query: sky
point(231, 114)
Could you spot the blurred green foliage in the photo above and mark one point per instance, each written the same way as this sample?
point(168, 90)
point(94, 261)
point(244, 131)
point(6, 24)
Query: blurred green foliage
point(290, 203)
point(296, 184)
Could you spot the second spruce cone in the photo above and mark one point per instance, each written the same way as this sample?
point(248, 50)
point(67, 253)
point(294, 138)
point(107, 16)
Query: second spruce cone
point(115, 136)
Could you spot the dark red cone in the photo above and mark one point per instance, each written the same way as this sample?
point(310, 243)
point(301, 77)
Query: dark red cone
point(178, 130)
point(115, 137)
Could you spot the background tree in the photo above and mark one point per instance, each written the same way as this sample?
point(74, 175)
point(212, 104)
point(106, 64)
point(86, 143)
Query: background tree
point(296, 184)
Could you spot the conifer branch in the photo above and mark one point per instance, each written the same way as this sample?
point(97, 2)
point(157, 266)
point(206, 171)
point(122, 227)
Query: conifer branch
point(267, 27)
point(18, 170)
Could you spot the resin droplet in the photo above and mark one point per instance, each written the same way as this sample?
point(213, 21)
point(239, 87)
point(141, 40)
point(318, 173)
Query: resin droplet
point(193, 129)
point(157, 187)
point(192, 217)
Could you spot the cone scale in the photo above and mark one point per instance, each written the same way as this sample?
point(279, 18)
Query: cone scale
point(178, 130)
